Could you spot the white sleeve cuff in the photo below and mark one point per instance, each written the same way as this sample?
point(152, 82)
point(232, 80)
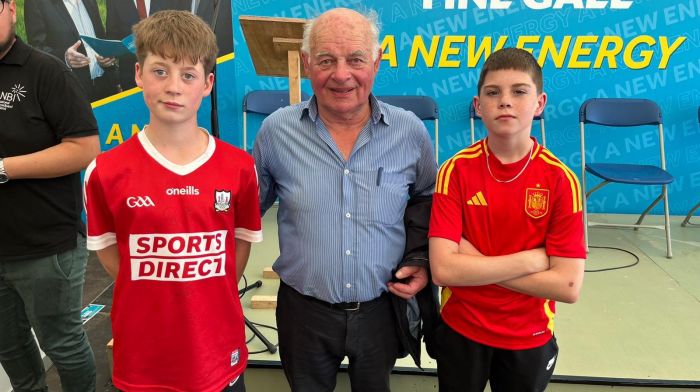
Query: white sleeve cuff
point(102, 241)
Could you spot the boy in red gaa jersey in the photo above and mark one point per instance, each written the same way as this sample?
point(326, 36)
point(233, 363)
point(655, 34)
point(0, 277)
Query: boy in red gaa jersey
point(172, 213)
point(506, 240)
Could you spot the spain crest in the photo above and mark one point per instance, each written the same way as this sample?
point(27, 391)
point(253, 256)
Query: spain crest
point(536, 202)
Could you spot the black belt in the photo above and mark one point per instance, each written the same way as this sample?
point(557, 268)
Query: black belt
point(346, 306)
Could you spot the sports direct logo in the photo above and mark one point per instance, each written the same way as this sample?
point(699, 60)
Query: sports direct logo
point(180, 257)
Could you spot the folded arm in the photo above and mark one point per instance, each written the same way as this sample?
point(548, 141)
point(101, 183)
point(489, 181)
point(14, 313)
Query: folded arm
point(561, 282)
point(449, 267)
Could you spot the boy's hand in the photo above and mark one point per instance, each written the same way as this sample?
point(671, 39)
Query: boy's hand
point(413, 279)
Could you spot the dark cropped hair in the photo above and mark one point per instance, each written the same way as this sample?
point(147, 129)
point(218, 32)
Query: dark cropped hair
point(512, 58)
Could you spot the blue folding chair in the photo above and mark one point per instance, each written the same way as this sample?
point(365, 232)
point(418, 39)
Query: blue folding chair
point(264, 102)
point(425, 108)
point(686, 221)
point(620, 112)
point(473, 116)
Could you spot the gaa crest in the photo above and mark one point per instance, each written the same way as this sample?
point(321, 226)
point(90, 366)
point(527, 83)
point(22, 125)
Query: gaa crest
point(536, 202)
point(222, 201)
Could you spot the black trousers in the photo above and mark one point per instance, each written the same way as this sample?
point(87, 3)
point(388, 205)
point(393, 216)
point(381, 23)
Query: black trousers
point(314, 338)
point(465, 365)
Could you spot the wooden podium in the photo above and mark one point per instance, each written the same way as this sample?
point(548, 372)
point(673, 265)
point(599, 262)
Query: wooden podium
point(275, 47)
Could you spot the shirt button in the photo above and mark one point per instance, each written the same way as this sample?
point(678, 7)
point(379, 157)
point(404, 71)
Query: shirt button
point(347, 215)
point(347, 252)
point(348, 285)
point(346, 171)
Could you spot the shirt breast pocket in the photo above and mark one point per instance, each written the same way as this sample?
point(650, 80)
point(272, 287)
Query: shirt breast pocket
point(388, 198)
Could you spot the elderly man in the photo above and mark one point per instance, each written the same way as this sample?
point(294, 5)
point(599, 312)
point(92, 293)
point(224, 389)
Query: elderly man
point(343, 166)
point(48, 135)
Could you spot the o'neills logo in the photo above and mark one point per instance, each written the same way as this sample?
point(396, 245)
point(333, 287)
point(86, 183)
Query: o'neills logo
point(189, 190)
point(178, 257)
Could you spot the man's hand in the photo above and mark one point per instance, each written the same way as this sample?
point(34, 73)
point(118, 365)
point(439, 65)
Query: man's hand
point(75, 59)
point(106, 62)
point(414, 279)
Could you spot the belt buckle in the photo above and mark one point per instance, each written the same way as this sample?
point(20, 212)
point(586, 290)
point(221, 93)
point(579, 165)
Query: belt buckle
point(353, 307)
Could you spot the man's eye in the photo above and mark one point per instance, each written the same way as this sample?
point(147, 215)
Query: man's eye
point(325, 62)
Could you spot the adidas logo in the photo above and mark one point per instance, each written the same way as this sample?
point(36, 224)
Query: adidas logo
point(477, 200)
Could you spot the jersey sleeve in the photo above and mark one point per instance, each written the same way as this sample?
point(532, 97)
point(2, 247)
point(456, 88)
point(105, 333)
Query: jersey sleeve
point(248, 222)
point(101, 232)
point(446, 214)
point(565, 233)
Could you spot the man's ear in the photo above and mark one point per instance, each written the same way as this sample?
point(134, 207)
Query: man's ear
point(305, 60)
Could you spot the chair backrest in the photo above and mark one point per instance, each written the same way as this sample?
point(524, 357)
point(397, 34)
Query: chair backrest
point(267, 101)
point(425, 108)
point(620, 112)
point(264, 102)
point(474, 116)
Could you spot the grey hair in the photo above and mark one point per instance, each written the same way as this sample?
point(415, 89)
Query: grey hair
point(370, 16)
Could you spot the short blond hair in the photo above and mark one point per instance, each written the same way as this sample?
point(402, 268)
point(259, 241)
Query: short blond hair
point(177, 35)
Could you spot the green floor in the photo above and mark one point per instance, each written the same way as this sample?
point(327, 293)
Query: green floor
point(638, 324)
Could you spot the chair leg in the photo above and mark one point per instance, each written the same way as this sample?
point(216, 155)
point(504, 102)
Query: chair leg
point(652, 205)
point(669, 252)
point(686, 221)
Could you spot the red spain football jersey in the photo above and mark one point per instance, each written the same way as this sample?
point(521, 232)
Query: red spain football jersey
point(176, 317)
point(540, 208)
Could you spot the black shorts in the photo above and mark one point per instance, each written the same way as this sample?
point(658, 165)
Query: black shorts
point(238, 386)
point(465, 365)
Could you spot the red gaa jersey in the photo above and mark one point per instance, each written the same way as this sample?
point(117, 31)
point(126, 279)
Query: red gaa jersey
point(541, 207)
point(176, 319)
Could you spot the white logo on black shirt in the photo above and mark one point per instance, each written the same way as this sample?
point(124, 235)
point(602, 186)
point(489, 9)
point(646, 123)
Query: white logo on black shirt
point(14, 95)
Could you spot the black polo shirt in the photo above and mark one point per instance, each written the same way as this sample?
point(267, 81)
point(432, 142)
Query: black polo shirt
point(41, 102)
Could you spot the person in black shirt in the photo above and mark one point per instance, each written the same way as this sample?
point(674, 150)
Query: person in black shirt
point(48, 135)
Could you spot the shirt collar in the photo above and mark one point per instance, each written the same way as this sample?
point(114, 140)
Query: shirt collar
point(310, 108)
point(18, 53)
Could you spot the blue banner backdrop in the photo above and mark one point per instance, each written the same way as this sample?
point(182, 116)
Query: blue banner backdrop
point(588, 48)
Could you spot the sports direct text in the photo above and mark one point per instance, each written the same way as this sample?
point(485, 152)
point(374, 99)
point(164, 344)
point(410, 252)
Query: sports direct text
point(178, 257)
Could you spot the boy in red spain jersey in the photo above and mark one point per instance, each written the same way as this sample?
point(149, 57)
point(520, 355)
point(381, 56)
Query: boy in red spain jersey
point(172, 213)
point(506, 240)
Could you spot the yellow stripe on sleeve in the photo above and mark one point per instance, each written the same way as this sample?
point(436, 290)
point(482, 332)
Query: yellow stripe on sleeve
point(573, 180)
